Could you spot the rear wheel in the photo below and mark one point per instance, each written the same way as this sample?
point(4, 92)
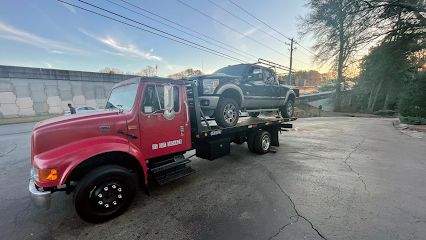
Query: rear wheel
point(227, 112)
point(262, 142)
point(287, 110)
point(105, 193)
point(254, 114)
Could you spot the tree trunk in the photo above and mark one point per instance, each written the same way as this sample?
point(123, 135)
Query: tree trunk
point(370, 99)
point(379, 87)
point(387, 99)
point(340, 64)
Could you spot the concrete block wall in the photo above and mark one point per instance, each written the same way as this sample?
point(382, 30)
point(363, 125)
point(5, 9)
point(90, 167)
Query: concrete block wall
point(37, 91)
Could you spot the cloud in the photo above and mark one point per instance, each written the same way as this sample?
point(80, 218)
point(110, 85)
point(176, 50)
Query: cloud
point(123, 49)
point(69, 7)
point(10, 32)
point(48, 65)
point(249, 32)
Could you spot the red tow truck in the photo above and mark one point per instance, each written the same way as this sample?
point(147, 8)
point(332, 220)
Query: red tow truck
point(147, 127)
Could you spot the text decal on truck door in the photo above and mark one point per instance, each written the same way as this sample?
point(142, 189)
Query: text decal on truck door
point(166, 144)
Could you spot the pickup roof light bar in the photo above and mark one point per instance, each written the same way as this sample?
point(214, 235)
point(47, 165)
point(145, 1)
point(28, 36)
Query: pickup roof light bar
point(272, 64)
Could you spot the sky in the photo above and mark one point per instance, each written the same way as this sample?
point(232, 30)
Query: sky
point(50, 34)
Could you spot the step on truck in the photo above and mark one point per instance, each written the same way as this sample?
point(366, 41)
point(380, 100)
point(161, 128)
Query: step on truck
point(142, 135)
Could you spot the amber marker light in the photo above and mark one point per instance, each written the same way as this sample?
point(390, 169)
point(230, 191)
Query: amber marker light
point(46, 175)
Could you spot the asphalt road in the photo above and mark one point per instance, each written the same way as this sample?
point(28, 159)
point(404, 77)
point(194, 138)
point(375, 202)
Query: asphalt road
point(332, 178)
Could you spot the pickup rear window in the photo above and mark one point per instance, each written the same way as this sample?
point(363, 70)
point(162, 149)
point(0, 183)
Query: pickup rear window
point(122, 97)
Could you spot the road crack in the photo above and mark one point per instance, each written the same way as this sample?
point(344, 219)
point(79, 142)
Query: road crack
point(11, 150)
point(346, 161)
point(298, 214)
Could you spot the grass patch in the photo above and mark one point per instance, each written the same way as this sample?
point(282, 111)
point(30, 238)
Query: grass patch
point(413, 120)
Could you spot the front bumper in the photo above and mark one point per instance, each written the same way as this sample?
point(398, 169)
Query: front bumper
point(39, 198)
point(209, 102)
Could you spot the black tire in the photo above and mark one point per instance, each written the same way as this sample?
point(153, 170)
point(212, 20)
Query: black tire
point(262, 142)
point(227, 112)
point(287, 110)
point(254, 114)
point(105, 193)
point(250, 141)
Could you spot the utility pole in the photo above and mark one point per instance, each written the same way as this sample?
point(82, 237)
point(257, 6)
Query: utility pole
point(291, 62)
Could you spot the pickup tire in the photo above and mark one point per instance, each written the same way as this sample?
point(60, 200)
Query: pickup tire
point(287, 110)
point(254, 114)
point(105, 193)
point(227, 112)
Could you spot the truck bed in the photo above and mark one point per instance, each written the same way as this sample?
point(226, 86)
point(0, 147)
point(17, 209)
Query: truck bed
point(243, 124)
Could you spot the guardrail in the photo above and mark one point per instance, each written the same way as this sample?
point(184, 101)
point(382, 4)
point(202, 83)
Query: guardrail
point(315, 96)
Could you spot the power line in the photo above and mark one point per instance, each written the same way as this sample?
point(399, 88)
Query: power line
point(155, 33)
point(189, 29)
point(266, 24)
point(170, 26)
point(245, 21)
point(161, 31)
point(229, 27)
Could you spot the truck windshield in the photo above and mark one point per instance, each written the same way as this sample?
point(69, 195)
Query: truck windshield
point(236, 70)
point(122, 97)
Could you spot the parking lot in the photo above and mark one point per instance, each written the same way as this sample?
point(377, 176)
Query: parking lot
point(331, 178)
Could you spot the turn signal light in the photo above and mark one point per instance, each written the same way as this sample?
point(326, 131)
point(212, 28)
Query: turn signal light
point(46, 175)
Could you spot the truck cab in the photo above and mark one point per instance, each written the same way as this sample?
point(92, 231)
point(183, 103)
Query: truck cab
point(146, 127)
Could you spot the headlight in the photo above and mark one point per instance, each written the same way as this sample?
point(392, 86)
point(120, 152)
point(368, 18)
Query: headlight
point(209, 85)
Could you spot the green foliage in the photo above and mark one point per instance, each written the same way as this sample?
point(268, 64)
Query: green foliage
point(389, 77)
point(413, 97)
point(413, 120)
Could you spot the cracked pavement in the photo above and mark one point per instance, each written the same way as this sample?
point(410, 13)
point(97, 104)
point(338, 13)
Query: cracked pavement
point(331, 178)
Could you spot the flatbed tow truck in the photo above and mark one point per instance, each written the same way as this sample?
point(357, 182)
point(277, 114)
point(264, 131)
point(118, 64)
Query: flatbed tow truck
point(149, 124)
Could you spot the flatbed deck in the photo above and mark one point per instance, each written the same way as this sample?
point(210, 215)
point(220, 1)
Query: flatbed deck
point(245, 123)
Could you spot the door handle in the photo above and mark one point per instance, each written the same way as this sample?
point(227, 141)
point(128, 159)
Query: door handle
point(132, 136)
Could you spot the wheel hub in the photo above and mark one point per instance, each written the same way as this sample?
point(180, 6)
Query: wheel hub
point(230, 113)
point(266, 142)
point(108, 196)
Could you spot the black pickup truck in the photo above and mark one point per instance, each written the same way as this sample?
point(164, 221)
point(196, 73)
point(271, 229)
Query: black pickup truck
point(247, 87)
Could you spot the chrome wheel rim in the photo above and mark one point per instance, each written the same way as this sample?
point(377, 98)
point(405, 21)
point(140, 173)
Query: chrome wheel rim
point(229, 113)
point(290, 108)
point(266, 142)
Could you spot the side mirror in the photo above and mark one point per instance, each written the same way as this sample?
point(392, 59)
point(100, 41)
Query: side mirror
point(169, 112)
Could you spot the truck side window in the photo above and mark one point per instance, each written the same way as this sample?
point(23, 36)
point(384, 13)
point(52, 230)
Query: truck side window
point(268, 77)
point(153, 100)
point(255, 74)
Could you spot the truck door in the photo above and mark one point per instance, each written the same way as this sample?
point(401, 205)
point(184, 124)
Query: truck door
point(272, 88)
point(164, 124)
point(254, 89)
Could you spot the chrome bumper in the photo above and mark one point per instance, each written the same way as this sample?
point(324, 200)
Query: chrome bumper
point(39, 198)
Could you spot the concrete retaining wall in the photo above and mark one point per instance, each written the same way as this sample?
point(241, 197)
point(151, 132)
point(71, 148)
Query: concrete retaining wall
point(37, 91)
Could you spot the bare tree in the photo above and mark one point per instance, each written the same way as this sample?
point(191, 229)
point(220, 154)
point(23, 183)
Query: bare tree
point(339, 30)
point(186, 73)
point(111, 70)
point(149, 71)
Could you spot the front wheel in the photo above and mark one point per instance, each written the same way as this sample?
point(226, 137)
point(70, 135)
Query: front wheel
point(287, 110)
point(227, 112)
point(105, 193)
